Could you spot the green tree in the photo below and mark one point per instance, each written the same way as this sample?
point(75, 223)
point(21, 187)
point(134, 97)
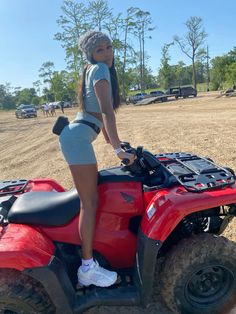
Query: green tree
point(222, 71)
point(231, 74)
point(74, 23)
point(165, 72)
point(7, 100)
point(218, 71)
point(37, 86)
point(143, 25)
point(62, 87)
point(128, 26)
point(46, 72)
point(25, 96)
point(192, 42)
point(99, 14)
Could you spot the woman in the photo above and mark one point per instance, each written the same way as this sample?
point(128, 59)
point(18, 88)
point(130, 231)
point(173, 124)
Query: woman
point(99, 98)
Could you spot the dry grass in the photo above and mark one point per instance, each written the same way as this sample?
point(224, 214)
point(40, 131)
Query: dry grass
point(205, 125)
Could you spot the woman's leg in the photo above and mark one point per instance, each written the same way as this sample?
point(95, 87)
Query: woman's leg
point(85, 180)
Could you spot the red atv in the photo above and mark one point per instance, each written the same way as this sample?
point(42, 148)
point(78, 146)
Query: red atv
point(158, 226)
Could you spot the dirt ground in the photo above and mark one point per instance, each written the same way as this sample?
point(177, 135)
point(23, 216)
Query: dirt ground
point(205, 125)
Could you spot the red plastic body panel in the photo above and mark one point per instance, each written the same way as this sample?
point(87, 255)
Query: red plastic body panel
point(113, 239)
point(173, 204)
point(23, 247)
point(44, 185)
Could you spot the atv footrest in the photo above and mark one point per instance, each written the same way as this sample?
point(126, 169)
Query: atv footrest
point(112, 296)
point(196, 173)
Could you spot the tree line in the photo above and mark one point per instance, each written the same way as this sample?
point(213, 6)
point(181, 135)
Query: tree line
point(129, 32)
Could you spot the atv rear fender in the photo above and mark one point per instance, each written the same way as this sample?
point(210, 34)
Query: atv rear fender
point(24, 247)
point(168, 207)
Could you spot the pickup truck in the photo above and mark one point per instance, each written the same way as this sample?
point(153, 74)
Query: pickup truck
point(184, 91)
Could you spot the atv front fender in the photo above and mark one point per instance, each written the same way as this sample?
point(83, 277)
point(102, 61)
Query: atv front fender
point(24, 247)
point(168, 207)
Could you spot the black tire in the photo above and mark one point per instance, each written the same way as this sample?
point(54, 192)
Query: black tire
point(199, 276)
point(21, 294)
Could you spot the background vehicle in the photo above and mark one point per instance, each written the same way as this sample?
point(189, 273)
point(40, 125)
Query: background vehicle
point(137, 97)
point(158, 226)
point(57, 104)
point(67, 104)
point(160, 94)
point(25, 111)
point(184, 91)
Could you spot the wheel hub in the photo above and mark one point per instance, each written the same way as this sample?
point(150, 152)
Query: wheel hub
point(209, 284)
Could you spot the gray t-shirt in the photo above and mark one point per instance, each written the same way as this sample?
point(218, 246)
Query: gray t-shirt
point(95, 73)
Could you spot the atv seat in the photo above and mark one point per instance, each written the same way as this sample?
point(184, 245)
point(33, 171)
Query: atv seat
point(57, 209)
point(45, 208)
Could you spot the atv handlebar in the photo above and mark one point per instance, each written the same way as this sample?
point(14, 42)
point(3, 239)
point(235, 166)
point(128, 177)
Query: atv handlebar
point(144, 162)
point(125, 162)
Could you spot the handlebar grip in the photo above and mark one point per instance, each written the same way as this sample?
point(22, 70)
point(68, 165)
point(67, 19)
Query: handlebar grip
point(125, 145)
point(125, 161)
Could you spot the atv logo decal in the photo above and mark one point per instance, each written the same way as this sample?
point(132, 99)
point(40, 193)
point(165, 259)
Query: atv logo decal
point(128, 198)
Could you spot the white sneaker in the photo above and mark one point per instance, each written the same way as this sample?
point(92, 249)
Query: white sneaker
point(97, 276)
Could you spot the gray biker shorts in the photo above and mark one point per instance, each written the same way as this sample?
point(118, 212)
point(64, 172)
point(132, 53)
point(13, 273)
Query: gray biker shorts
point(76, 141)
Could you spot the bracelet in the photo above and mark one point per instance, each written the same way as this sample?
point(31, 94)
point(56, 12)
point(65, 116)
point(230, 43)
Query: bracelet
point(118, 150)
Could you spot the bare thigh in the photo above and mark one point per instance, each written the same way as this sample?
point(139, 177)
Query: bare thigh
point(85, 179)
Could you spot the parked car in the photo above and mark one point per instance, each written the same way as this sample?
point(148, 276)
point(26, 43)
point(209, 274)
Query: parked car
point(182, 91)
point(67, 104)
point(160, 94)
point(26, 111)
point(58, 104)
point(137, 97)
point(55, 104)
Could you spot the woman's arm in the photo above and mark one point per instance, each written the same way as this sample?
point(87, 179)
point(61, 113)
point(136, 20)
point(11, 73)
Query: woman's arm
point(105, 135)
point(103, 95)
point(104, 98)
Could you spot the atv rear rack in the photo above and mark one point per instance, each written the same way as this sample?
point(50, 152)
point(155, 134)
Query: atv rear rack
point(196, 173)
point(13, 186)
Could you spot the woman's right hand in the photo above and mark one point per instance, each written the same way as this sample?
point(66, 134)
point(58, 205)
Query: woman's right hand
point(123, 155)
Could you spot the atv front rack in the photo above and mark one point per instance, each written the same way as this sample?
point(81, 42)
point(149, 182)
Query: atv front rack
point(196, 173)
point(13, 186)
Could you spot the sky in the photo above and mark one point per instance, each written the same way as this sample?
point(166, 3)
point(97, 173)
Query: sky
point(27, 29)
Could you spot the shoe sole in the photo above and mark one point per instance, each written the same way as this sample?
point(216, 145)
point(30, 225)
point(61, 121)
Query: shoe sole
point(87, 284)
